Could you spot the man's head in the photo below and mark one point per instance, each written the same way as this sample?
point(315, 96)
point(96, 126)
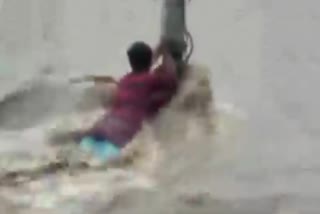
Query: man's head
point(140, 57)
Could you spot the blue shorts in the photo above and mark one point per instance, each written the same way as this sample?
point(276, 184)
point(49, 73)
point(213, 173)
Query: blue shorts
point(103, 149)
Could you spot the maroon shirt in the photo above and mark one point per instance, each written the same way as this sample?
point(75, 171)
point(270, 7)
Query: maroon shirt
point(163, 89)
point(139, 96)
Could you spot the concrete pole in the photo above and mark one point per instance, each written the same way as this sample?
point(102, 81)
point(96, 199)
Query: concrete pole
point(174, 21)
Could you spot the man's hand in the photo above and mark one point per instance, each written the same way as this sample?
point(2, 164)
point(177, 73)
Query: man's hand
point(159, 50)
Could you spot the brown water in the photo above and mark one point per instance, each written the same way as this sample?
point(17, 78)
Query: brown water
point(263, 68)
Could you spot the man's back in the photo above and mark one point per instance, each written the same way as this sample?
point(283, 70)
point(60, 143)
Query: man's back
point(139, 96)
point(132, 97)
point(163, 89)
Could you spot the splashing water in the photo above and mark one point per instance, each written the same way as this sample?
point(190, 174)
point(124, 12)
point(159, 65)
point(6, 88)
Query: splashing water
point(263, 59)
point(155, 143)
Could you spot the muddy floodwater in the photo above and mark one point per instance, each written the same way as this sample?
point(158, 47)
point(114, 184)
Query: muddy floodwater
point(259, 157)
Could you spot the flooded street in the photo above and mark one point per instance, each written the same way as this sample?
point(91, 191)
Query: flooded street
point(263, 60)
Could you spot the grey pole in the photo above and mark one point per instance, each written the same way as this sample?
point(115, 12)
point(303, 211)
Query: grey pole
point(174, 22)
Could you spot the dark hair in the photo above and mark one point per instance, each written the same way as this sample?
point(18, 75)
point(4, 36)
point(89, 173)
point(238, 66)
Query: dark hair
point(140, 56)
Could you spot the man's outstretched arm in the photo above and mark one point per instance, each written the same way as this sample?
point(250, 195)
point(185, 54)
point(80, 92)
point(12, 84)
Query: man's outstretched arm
point(95, 79)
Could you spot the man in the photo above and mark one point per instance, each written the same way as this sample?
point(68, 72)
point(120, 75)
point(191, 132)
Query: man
point(139, 96)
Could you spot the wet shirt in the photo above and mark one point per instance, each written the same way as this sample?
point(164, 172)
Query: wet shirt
point(138, 97)
point(163, 89)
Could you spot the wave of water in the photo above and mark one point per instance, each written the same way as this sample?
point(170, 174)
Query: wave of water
point(30, 116)
point(263, 59)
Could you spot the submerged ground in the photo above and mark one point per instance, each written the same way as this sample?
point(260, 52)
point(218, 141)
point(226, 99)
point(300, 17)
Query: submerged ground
point(263, 58)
